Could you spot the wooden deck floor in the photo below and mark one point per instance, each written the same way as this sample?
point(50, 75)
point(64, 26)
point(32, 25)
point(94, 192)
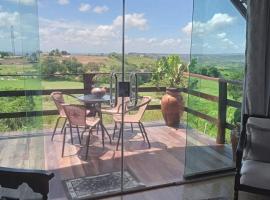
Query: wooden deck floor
point(163, 163)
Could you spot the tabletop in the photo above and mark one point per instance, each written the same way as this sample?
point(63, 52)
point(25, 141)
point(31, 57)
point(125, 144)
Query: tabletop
point(90, 98)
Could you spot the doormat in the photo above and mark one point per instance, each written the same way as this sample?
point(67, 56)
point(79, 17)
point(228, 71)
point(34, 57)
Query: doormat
point(92, 186)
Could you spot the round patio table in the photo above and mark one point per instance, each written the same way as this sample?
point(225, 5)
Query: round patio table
point(94, 102)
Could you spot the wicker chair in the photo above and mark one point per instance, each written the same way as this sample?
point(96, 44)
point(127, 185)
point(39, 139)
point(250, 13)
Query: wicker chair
point(133, 118)
point(117, 109)
point(77, 117)
point(58, 98)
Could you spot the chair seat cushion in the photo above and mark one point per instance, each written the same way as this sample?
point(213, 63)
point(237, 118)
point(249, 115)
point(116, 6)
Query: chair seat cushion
point(258, 139)
point(255, 174)
point(260, 123)
point(110, 111)
point(127, 118)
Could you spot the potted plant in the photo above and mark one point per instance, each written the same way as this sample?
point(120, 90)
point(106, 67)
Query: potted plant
point(235, 131)
point(169, 71)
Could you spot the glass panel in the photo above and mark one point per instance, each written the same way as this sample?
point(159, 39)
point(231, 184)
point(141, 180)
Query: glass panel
point(19, 57)
point(217, 54)
point(81, 51)
point(20, 145)
point(155, 40)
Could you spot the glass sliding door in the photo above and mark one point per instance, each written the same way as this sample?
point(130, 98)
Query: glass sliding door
point(87, 48)
point(153, 34)
point(217, 58)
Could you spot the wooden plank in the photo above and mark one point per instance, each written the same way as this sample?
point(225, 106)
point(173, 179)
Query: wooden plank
point(222, 112)
point(201, 95)
point(233, 103)
point(151, 89)
point(18, 93)
point(88, 81)
point(230, 126)
point(187, 74)
point(28, 114)
point(202, 115)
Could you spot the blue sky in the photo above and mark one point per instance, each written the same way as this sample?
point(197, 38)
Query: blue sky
point(152, 26)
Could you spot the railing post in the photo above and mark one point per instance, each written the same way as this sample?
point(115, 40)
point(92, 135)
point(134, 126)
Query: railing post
point(88, 82)
point(222, 111)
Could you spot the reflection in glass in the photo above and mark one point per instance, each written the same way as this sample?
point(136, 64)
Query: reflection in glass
point(217, 55)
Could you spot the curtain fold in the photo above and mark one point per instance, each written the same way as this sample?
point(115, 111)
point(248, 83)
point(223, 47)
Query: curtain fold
point(257, 81)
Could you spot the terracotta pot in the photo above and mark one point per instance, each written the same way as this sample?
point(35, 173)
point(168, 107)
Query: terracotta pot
point(99, 92)
point(172, 107)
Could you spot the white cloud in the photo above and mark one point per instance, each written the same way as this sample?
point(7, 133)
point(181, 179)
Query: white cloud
point(229, 44)
point(76, 36)
point(63, 2)
point(7, 19)
point(100, 9)
point(84, 7)
point(206, 45)
point(221, 35)
point(188, 28)
point(217, 22)
point(210, 36)
point(170, 41)
point(158, 45)
point(151, 40)
point(24, 2)
point(135, 20)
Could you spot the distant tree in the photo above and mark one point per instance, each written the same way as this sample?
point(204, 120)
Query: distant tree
point(64, 53)
point(50, 66)
point(72, 65)
point(213, 72)
point(236, 90)
point(55, 52)
point(204, 71)
point(4, 54)
point(192, 68)
point(33, 57)
point(115, 55)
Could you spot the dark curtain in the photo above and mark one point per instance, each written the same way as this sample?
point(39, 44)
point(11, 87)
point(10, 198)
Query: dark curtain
point(257, 80)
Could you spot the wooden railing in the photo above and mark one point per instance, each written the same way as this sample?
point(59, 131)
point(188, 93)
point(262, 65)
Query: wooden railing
point(222, 101)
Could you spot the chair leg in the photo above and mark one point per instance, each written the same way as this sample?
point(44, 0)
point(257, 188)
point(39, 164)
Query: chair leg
point(145, 134)
point(78, 132)
point(114, 130)
point(55, 127)
point(97, 128)
point(107, 133)
point(131, 125)
point(141, 131)
point(71, 134)
point(87, 143)
point(83, 133)
point(64, 124)
point(103, 136)
point(120, 134)
point(64, 141)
